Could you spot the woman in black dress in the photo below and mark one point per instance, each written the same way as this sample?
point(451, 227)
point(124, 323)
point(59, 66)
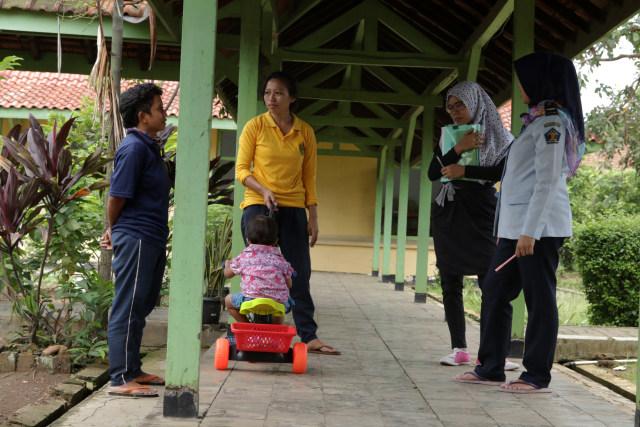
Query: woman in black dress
point(465, 207)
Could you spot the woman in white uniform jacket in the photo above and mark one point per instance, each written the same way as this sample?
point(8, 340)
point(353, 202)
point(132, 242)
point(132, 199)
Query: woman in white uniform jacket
point(533, 218)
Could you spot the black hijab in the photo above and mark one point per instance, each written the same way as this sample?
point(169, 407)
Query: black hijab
point(546, 76)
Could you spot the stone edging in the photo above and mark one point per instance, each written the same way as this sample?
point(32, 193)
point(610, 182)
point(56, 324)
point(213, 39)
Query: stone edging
point(12, 361)
point(64, 397)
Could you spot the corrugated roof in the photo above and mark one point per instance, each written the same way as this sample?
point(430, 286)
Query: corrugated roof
point(27, 89)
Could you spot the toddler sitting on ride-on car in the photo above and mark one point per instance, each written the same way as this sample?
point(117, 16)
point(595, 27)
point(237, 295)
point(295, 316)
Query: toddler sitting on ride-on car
point(265, 272)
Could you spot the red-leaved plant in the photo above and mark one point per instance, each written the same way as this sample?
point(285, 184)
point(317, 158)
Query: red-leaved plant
point(39, 175)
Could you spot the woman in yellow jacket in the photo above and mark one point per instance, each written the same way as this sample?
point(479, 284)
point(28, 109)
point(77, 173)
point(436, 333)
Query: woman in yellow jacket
point(282, 150)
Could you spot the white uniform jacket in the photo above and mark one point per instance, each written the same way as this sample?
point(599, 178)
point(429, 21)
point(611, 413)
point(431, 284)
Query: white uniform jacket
point(533, 197)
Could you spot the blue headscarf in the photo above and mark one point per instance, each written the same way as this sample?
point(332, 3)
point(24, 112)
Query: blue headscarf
point(545, 76)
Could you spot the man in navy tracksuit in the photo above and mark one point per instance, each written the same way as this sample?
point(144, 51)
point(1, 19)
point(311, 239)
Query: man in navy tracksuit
point(137, 209)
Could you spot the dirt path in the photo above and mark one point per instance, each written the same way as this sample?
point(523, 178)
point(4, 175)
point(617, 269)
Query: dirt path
point(17, 389)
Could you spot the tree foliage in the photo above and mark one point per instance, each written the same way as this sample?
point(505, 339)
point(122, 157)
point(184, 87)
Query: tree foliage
point(8, 63)
point(615, 125)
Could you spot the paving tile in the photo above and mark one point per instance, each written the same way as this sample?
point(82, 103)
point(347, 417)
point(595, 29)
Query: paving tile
point(354, 420)
point(292, 419)
point(388, 375)
point(404, 418)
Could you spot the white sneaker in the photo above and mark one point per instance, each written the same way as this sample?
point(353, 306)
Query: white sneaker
point(510, 366)
point(458, 357)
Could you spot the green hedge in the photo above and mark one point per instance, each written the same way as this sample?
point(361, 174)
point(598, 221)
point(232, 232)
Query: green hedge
point(607, 252)
point(595, 192)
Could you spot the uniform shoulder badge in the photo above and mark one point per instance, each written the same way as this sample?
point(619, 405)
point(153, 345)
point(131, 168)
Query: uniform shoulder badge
point(551, 124)
point(550, 109)
point(552, 136)
point(301, 147)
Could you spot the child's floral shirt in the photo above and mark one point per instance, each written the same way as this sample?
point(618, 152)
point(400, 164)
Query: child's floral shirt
point(264, 271)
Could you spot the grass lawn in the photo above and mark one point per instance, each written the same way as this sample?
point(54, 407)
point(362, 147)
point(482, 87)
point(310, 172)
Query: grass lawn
point(631, 373)
point(572, 304)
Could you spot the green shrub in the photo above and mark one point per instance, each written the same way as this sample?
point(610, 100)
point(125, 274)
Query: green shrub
point(607, 252)
point(596, 193)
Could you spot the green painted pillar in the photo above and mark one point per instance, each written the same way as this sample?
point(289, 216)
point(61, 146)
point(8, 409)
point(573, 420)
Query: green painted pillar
point(523, 27)
point(190, 216)
point(403, 201)
point(388, 217)
point(377, 219)
point(247, 105)
point(424, 213)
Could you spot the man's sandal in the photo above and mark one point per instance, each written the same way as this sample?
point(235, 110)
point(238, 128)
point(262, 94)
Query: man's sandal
point(130, 392)
point(477, 379)
point(535, 389)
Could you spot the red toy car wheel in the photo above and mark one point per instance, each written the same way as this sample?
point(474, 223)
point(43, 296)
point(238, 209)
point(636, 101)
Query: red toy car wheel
point(222, 354)
point(299, 358)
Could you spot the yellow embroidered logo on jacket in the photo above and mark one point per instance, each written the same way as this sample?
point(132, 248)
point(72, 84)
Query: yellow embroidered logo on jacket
point(552, 136)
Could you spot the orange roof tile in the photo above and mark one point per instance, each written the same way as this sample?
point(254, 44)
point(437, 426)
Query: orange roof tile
point(505, 114)
point(131, 8)
point(28, 89)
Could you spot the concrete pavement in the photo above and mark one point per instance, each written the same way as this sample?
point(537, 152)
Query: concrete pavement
point(388, 375)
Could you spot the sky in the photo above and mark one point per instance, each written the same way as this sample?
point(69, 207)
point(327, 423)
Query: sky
point(616, 74)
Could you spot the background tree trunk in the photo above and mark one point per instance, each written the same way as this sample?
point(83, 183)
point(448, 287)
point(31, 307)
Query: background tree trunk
point(104, 265)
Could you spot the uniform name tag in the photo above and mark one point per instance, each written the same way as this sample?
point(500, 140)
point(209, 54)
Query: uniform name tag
point(552, 136)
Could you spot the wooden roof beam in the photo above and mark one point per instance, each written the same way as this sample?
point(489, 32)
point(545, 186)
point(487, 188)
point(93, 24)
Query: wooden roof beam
point(231, 10)
point(495, 19)
point(226, 68)
point(164, 14)
point(369, 97)
point(29, 23)
point(77, 63)
point(410, 34)
point(334, 28)
point(315, 107)
point(390, 80)
point(285, 21)
point(347, 153)
point(339, 137)
point(323, 74)
point(341, 121)
point(389, 59)
point(599, 28)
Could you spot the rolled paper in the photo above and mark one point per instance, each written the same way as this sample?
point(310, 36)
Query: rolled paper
point(498, 268)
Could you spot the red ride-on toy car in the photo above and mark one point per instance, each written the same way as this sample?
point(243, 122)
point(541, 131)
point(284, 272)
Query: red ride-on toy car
point(260, 341)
